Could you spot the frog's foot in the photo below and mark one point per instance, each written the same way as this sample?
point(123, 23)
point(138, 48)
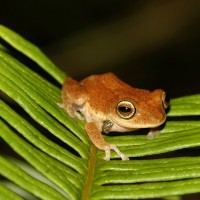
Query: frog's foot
point(68, 108)
point(72, 111)
point(98, 140)
point(153, 133)
point(61, 105)
point(79, 115)
point(110, 147)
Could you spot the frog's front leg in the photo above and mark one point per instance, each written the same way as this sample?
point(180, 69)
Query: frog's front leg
point(97, 139)
point(153, 133)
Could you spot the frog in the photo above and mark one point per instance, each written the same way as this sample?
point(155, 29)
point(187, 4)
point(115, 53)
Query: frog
point(108, 104)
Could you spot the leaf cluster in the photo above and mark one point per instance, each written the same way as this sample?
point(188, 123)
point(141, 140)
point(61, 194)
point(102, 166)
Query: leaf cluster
point(52, 157)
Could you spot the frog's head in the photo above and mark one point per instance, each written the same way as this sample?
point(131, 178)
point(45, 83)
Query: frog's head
point(146, 110)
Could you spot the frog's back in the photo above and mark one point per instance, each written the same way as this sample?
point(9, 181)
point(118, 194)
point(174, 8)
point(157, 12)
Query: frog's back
point(103, 82)
point(102, 90)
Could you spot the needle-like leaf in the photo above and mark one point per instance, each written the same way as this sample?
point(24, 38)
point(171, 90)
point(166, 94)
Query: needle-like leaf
point(40, 134)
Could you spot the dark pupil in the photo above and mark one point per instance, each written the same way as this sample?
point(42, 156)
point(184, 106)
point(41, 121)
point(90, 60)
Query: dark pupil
point(124, 109)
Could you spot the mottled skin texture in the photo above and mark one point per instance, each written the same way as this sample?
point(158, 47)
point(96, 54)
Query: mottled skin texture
point(95, 99)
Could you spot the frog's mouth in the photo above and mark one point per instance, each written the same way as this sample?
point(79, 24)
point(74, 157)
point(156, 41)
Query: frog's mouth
point(130, 125)
point(117, 128)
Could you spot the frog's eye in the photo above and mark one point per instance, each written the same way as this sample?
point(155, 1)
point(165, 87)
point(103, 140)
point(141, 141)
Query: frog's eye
point(125, 109)
point(165, 100)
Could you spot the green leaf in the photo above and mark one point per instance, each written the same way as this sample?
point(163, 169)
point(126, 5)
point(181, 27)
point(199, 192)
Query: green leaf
point(63, 164)
point(5, 193)
point(31, 51)
point(186, 106)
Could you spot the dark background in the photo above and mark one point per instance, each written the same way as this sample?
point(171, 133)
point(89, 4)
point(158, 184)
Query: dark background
point(149, 44)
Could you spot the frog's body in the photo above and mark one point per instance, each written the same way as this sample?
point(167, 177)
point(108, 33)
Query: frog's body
point(108, 104)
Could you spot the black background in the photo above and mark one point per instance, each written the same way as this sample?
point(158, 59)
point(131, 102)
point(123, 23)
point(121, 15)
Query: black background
point(149, 44)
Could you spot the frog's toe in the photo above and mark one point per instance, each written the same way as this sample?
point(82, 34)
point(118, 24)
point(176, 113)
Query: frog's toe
point(61, 105)
point(107, 152)
point(114, 147)
point(153, 133)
